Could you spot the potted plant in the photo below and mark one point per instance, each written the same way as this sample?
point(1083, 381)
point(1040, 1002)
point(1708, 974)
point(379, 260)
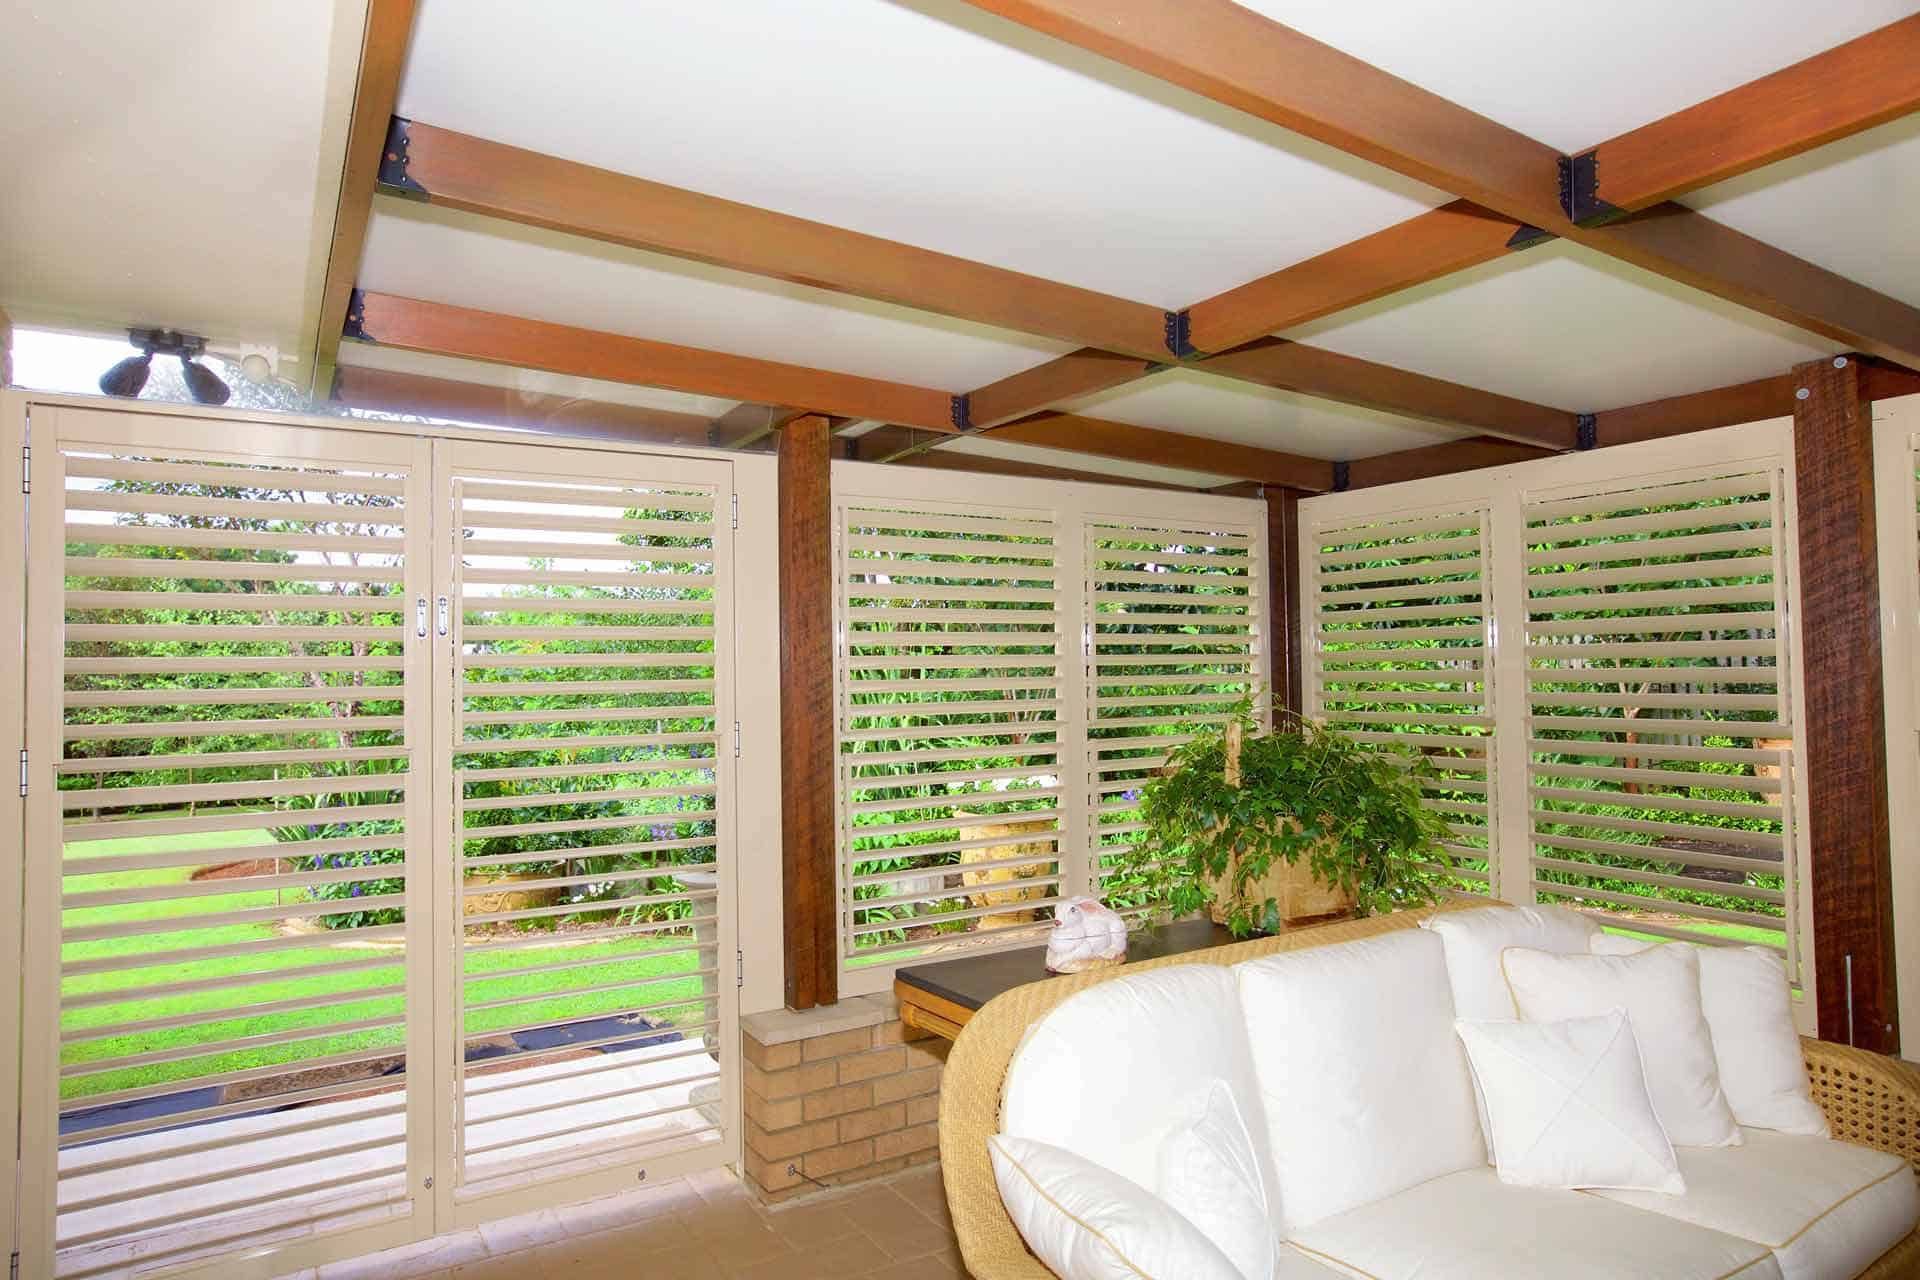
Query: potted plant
point(1298, 822)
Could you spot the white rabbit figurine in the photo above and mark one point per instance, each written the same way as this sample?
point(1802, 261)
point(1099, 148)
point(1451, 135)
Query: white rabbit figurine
point(1085, 935)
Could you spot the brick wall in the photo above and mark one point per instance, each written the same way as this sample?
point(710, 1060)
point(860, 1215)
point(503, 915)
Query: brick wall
point(841, 1105)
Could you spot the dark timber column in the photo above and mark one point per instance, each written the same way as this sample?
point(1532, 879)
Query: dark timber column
point(1843, 724)
point(811, 909)
point(1283, 595)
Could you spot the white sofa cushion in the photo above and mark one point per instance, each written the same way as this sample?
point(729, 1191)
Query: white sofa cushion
point(1749, 1009)
point(1474, 940)
point(1210, 1175)
point(1364, 1085)
point(1088, 1223)
point(1825, 1208)
point(1567, 1104)
point(1660, 990)
point(1472, 1226)
point(1111, 1071)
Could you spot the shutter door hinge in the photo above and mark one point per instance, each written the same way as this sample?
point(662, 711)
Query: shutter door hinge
point(26, 468)
point(736, 511)
point(739, 968)
point(13, 1266)
point(23, 771)
point(736, 738)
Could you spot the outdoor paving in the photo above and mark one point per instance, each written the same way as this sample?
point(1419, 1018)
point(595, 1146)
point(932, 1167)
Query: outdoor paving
point(702, 1228)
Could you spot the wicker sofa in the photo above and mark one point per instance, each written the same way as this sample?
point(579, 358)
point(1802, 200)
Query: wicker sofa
point(1869, 1099)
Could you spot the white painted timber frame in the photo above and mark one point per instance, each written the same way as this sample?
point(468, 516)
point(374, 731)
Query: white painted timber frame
point(13, 588)
point(1070, 510)
point(1896, 446)
point(748, 815)
point(1505, 494)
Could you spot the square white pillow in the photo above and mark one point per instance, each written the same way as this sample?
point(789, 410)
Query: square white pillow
point(1089, 1223)
point(1660, 991)
point(1363, 1084)
point(1474, 940)
point(1567, 1105)
point(1210, 1175)
point(1749, 1009)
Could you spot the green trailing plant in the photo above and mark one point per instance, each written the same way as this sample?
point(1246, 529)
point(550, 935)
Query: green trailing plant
point(1355, 813)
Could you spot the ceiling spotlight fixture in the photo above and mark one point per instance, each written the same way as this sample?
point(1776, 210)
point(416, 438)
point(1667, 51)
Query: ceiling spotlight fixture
point(130, 375)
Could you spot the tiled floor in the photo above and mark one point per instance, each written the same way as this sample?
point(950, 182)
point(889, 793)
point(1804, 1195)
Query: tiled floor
point(701, 1228)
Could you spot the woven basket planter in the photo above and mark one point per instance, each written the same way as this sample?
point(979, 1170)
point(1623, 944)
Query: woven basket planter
point(1300, 895)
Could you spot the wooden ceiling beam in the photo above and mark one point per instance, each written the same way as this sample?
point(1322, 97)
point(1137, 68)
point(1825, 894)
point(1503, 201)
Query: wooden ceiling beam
point(490, 178)
point(1439, 460)
point(383, 53)
point(1852, 87)
point(1244, 60)
point(1064, 378)
point(421, 396)
point(1754, 401)
point(1293, 366)
point(1158, 448)
point(879, 444)
point(441, 329)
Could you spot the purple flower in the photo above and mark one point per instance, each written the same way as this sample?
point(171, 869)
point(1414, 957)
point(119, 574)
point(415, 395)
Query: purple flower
point(355, 891)
point(1130, 795)
point(661, 831)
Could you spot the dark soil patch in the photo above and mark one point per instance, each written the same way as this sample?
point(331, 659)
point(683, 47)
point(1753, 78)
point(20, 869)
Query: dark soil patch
point(241, 870)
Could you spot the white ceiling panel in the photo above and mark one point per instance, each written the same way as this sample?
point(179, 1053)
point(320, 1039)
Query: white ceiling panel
point(1572, 75)
point(1567, 327)
point(173, 163)
point(986, 446)
point(926, 122)
point(1202, 404)
point(438, 254)
point(1848, 207)
point(367, 355)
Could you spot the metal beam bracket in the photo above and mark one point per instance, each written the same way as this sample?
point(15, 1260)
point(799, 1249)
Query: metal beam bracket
point(1342, 477)
point(961, 411)
point(1586, 428)
point(393, 174)
point(1580, 191)
point(1179, 335)
point(1526, 236)
point(356, 323)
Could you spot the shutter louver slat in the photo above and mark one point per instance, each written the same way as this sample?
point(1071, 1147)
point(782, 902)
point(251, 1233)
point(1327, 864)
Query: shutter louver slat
point(1173, 634)
point(1658, 719)
point(1406, 664)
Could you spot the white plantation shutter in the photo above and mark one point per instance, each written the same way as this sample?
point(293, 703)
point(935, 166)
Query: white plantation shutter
point(1175, 612)
point(950, 686)
point(236, 718)
point(1398, 627)
point(1659, 740)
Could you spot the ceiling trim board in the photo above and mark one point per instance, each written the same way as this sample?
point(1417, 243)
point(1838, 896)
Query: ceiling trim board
point(438, 328)
point(1849, 88)
point(495, 180)
point(383, 56)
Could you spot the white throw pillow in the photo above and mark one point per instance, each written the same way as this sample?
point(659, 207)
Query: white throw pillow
point(1364, 1086)
point(1749, 1008)
point(1089, 1223)
point(1660, 991)
point(1567, 1105)
point(1210, 1175)
point(1474, 940)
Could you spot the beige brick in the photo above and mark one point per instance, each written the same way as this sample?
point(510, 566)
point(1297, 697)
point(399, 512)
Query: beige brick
point(772, 1175)
point(840, 1042)
point(929, 1156)
point(928, 1053)
point(837, 1102)
point(908, 1084)
point(865, 1172)
point(864, 1124)
point(906, 1141)
point(898, 1033)
point(874, 1062)
point(849, 1155)
point(770, 1057)
point(775, 1085)
point(784, 1144)
point(773, 1115)
point(923, 1110)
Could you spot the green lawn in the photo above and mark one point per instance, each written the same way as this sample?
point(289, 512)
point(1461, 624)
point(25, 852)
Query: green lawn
point(309, 972)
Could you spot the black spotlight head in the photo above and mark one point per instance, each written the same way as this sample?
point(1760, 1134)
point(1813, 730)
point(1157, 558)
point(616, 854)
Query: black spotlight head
point(203, 383)
point(127, 377)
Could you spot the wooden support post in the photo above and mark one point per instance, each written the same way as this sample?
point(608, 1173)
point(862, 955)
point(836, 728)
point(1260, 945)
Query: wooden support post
point(810, 892)
point(1843, 721)
point(1283, 598)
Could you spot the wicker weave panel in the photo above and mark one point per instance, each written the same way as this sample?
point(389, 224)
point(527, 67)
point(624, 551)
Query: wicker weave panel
point(1868, 1099)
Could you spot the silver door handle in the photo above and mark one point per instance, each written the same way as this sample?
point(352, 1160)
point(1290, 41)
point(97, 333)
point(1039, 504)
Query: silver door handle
point(420, 617)
point(446, 615)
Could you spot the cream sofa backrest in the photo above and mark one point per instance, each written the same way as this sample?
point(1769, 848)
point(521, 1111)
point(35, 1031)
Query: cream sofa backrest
point(1365, 1087)
point(1112, 1070)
